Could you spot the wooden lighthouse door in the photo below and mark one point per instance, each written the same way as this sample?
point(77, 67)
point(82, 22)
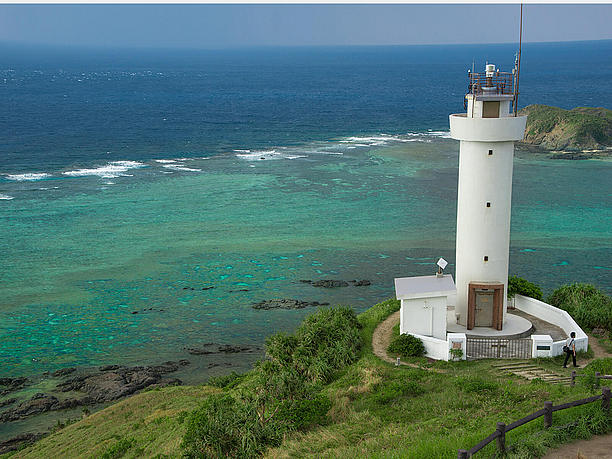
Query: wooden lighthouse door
point(485, 305)
point(483, 310)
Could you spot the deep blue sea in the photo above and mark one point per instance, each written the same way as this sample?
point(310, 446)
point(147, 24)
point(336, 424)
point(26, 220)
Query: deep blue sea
point(127, 178)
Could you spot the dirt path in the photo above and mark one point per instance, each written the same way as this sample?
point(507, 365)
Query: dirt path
point(598, 351)
point(597, 447)
point(382, 337)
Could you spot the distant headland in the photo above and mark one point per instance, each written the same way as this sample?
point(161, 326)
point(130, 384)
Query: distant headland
point(579, 133)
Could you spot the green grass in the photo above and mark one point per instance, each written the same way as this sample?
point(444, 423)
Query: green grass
point(145, 425)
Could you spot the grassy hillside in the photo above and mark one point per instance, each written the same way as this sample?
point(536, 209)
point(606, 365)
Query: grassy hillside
point(376, 410)
point(581, 128)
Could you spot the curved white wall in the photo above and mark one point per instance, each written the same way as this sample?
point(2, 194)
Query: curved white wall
point(503, 129)
point(481, 230)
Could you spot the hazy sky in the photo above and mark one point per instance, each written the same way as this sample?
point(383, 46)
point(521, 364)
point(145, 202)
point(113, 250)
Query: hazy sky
point(219, 26)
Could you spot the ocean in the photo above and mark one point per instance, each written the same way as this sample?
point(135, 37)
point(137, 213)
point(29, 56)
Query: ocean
point(132, 181)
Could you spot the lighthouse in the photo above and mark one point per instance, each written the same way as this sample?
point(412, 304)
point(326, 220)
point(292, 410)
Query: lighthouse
point(487, 133)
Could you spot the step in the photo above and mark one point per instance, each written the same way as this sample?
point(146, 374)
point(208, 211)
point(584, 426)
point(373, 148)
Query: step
point(507, 364)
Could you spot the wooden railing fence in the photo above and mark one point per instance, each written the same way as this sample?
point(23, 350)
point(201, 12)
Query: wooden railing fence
point(598, 376)
point(547, 412)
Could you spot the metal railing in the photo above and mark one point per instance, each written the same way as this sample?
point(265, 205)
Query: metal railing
point(497, 83)
point(547, 412)
point(498, 348)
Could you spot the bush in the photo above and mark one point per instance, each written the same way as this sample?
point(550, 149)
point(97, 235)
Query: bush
point(224, 426)
point(305, 412)
point(283, 392)
point(523, 287)
point(226, 381)
point(589, 306)
point(323, 343)
point(407, 346)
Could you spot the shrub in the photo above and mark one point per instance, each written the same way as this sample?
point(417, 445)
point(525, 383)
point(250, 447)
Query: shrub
point(283, 392)
point(305, 412)
point(325, 342)
point(226, 381)
point(407, 346)
point(224, 426)
point(589, 306)
point(523, 287)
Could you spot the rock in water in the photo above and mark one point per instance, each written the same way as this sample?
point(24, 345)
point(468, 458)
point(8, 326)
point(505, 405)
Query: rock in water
point(330, 283)
point(63, 372)
point(12, 384)
point(362, 283)
point(286, 303)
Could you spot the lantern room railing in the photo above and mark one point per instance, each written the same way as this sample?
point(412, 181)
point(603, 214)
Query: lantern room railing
point(491, 83)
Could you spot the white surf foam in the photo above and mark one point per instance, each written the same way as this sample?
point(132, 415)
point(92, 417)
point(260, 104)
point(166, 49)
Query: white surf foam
point(442, 134)
point(165, 161)
point(110, 170)
point(28, 176)
point(6, 197)
point(177, 167)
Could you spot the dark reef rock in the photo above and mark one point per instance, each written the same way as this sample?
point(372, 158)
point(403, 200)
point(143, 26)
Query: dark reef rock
point(12, 384)
point(229, 349)
point(19, 441)
point(305, 281)
point(208, 288)
point(114, 381)
point(212, 348)
point(39, 403)
point(362, 283)
point(330, 283)
point(109, 367)
point(571, 156)
point(63, 372)
point(286, 303)
point(7, 402)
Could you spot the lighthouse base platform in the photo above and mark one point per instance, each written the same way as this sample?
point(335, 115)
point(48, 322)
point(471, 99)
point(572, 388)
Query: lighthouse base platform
point(514, 327)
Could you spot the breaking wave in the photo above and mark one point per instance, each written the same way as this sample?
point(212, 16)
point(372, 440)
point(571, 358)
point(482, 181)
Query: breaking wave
point(111, 170)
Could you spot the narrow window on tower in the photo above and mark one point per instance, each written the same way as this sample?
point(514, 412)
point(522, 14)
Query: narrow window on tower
point(486, 258)
point(490, 152)
point(488, 204)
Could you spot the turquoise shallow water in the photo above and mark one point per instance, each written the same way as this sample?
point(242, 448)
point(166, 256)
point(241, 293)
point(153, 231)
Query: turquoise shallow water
point(82, 253)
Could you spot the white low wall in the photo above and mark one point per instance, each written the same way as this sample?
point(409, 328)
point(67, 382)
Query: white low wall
point(434, 348)
point(555, 316)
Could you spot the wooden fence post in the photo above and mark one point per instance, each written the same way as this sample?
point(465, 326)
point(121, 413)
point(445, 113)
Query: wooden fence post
point(548, 414)
point(462, 454)
point(605, 400)
point(573, 378)
point(597, 376)
point(501, 439)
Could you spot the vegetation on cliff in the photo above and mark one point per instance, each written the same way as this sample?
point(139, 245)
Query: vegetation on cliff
point(581, 128)
point(339, 401)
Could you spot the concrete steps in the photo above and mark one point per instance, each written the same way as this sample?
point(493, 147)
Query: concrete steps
point(529, 371)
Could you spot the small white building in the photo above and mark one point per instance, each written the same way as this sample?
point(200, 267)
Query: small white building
point(424, 304)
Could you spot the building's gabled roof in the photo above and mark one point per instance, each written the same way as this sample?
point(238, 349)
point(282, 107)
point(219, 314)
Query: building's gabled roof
point(424, 286)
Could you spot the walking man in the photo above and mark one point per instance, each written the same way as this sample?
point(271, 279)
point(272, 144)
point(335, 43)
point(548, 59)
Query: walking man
point(570, 349)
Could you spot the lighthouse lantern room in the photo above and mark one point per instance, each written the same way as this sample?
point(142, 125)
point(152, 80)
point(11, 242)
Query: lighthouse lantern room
point(487, 132)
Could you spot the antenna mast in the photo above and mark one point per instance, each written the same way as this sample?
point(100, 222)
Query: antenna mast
point(518, 70)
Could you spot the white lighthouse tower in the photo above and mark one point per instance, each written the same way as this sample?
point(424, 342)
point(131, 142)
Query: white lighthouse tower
point(487, 133)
